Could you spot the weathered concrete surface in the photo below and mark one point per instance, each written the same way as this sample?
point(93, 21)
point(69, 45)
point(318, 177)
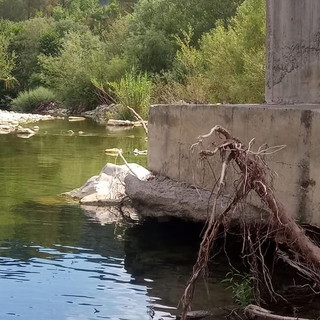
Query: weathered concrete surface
point(293, 51)
point(173, 129)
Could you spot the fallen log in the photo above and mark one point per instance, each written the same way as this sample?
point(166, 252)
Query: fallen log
point(256, 312)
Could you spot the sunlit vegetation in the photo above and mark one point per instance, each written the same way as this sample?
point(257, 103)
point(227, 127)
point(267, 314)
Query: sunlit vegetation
point(204, 51)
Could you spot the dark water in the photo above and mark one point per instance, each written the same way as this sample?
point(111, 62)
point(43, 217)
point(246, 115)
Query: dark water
point(57, 263)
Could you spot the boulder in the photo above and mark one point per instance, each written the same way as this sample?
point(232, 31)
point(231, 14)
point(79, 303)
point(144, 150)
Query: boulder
point(108, 187)
point(27, 131)
point(160, 197)
point(6, 128)
point(100, 113)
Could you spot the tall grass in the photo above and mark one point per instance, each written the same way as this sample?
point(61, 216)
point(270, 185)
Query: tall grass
point(133, 90)
point(28, 101)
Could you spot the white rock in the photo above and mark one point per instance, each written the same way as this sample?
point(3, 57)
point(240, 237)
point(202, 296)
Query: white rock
point(27, 131)
point(108, 187)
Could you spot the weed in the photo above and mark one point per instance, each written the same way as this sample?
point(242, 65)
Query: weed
point(133, 90)
point(241, 287)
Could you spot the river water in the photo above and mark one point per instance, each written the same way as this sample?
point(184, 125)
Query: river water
point(56, 262)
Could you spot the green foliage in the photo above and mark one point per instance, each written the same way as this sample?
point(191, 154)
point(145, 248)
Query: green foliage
point(236, 67)
point(7, 64)
point(241, 287)
point(197, 51)
point(134, 91)
point(116, 36)
point(18, 10)
point(230, 62)
point(70, 73)
point(27, 45)
point(50, 44)
point(155, 23)
point(27, 101)
point(7, 60)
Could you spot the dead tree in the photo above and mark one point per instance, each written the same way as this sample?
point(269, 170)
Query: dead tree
point(296, 248)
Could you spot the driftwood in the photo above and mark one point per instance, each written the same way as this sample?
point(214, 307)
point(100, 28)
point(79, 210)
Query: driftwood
point(254, 312)
point(296, 248)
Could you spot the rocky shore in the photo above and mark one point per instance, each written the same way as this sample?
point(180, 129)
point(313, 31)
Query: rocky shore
point(15, 118)
point(12, 122)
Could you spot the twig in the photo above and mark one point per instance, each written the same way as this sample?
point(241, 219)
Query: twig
point(140, 119)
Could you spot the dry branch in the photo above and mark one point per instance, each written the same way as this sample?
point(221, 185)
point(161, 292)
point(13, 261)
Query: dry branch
point(139, 118)
point(254, 312)
point(302, 254)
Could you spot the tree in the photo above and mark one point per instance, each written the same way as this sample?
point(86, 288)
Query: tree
point(230, 60)
point(7, 63)
point(27, 45)
point(7, 60)
point(69, 74)
point(157, 22)
point(18, 10)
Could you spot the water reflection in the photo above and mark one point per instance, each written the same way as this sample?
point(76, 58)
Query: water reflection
point(47, 278)
point(56, 262)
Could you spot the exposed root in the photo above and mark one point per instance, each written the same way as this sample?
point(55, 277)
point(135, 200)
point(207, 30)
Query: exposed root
point(293, 246)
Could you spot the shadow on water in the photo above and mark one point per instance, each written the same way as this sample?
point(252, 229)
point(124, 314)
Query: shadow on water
point(165, 253)
point(61, 265)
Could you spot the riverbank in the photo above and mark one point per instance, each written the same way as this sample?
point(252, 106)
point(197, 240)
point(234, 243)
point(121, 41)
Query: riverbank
point(15, 118)
point(11, 122)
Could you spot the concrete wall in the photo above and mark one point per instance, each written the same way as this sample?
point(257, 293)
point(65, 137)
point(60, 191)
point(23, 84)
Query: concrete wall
point(173, 129)
point(293, 51)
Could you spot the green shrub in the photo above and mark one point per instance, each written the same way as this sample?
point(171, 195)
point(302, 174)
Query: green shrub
point(134, 91)
point(229, 65)
point(70, 73)
point(241, 287)
point(27, 101)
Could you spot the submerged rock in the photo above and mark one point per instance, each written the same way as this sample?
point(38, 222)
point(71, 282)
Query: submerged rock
point(110, 214)
point(26, 131)
point(6, 128)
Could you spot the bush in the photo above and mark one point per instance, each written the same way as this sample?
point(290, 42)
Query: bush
point(229, 65)
point(151, 46)
point(133, 90)
point(70, 73)
point(27, 101)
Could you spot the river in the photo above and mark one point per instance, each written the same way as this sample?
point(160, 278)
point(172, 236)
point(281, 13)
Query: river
point(56, 262)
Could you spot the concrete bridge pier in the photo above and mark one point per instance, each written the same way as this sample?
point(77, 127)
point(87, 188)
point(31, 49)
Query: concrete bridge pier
point(293, 52)
point(291, 115)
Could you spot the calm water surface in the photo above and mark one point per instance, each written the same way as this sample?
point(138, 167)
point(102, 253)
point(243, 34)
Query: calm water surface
point(58, 263)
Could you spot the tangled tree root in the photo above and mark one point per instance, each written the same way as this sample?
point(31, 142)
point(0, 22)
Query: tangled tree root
point(292, 244)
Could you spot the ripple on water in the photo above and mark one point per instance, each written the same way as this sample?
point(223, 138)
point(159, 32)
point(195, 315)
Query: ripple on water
point(79, 285)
